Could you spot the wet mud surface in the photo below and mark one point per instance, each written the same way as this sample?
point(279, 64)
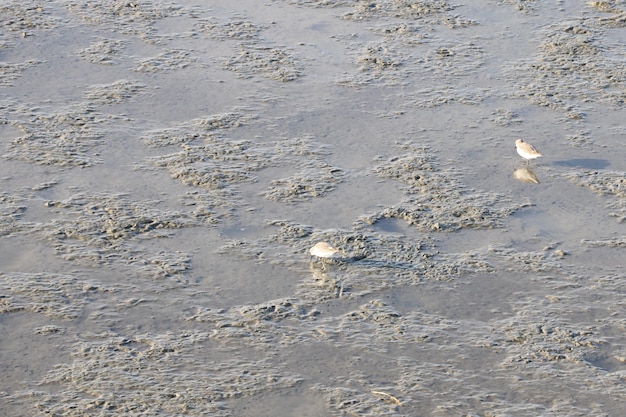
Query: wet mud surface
point(166, 167)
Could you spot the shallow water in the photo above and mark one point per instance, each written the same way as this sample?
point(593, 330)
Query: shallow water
point(167, 166)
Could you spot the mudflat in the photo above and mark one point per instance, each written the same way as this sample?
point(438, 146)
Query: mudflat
point(166, 168)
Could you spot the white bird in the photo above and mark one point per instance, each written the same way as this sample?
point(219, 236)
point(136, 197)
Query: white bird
point(323, 251)
point(526, 150)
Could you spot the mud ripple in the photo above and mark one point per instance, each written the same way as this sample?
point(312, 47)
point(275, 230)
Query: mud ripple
point(213, 162)
point(116, 92)
point(128, 18)
point(605, 183)
point(11, 211)
point(274, 62)
point(104, 51)
point(54, 295)
point(314, 180)
point(66, 137)
point(152, 374)
point(168, 60)
point(9, 72)
point(572, 67)
point(398, 9)
point(27, 16)
point(238, 29)
point(107, 229)
point(612, 183)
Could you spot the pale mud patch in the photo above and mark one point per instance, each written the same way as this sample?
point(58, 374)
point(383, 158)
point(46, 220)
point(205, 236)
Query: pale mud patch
point(67, 137)
point(105, 51)
point(118, 92)
point(606, 183)
point(168, 60)
point(616, 18)
point(10, 72)
point(211, 160)
point(573, 68)
point(127, 18)
point(226, 380)
point(392, 62)
point(426, 10)
point(100, 230)
point(25, 17)
point(56, 296)
point(610, 183)
point(10, 211)
point(238, 29)
point(524, 6)
point(274, 62)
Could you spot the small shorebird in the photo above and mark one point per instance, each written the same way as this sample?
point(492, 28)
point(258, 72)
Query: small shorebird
point(526, 150)
point(323, 251)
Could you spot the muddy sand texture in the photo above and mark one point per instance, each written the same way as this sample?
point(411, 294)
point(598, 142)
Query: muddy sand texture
point(167, 165)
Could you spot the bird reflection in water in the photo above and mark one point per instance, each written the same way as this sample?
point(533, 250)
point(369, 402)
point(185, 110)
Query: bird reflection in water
point(525, 174)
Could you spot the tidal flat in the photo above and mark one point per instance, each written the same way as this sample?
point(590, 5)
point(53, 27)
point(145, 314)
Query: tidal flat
point(166, 167)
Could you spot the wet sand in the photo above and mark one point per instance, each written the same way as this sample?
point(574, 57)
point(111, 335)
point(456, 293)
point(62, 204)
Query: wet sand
point(166, 167)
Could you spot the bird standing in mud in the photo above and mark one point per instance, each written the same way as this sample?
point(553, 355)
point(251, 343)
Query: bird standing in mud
point(526, 150)
point(323, 250)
